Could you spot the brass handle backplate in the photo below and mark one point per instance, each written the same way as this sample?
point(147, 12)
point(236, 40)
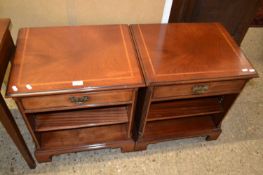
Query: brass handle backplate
point(78, 100)
point(200, 89)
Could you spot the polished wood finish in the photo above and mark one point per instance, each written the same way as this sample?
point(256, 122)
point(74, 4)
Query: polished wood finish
point(203, 51)
point(6, 118)
point(236, 15)
point(58, 102)
point(6, 47)
point(193, 72)
point(81, 118)
point(183, 127)
point(76, 87)
point(80, 137)
point(102, 57)
point(186, 90)
point(13, 131)
point(83, 139)
point(184, 108)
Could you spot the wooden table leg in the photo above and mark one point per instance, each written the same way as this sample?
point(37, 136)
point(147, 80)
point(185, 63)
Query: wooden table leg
point(9, 123)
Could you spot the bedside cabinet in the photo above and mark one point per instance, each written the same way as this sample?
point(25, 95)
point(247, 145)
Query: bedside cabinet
point(193, 74)
point(76, 87)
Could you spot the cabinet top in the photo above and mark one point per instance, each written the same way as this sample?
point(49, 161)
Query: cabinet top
point(52, 60)
point(190, 52)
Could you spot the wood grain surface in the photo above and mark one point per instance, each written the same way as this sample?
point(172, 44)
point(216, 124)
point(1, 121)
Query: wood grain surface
point(51, 59)
point(189, 52)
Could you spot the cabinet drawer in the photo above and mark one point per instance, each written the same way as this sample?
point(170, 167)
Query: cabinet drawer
point(77, 100)
point(198, 89)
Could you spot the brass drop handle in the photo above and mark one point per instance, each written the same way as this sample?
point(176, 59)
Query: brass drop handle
point(78, 100)
point(200, 89)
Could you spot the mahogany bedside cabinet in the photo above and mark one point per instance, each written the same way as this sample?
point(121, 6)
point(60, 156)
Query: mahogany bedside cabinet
point(193, 74)
point(76, 87)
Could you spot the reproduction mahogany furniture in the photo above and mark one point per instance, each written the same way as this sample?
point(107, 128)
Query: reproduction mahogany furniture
point(193, 74)
point(76, 87)
point(6, 52)
point(235, 15)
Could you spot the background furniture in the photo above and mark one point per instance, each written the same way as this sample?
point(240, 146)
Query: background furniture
point(258, 19)
point(6, 51)
point(76, 87)
point(193, 74)
point(235, 15)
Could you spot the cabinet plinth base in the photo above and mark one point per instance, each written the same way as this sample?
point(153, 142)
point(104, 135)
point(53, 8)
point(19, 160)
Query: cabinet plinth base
point(213, 136)
point(140, 146)
point(143, 143)
point(45, 155)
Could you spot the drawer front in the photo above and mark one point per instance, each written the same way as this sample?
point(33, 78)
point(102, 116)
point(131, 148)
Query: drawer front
point(198, 89)
point(77, 100)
